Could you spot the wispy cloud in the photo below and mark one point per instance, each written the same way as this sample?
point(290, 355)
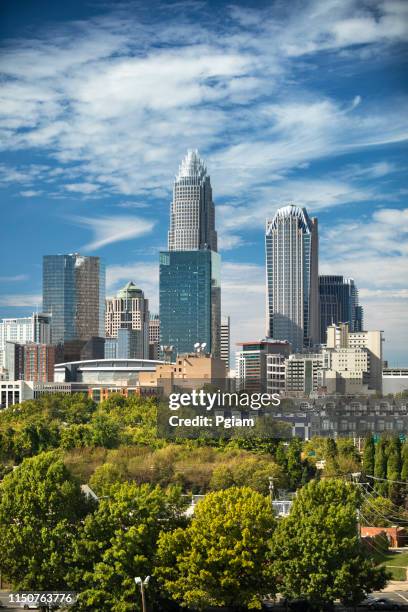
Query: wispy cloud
point(20, 300)
point(107, 230)
point(13, 279)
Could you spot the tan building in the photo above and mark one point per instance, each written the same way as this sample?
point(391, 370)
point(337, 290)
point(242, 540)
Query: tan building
point(339, 337)
point(189, 370)
point(129, 309)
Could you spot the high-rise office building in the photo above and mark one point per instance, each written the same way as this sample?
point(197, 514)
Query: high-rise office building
point(190, 292)
point(39, 361)
point(192, 213)
point(128, 344)
point(74, 294)
point(225, 346)
point(129, 310)
point(338, 304)
point(154, 336)
point(259, 365)
point(190, 300)
point(292, 277)
point(36, 328)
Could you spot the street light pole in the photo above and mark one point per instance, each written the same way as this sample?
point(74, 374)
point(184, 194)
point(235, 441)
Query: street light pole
point(142, 584)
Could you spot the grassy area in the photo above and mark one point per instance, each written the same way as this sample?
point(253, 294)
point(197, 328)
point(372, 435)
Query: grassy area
point(395, 562)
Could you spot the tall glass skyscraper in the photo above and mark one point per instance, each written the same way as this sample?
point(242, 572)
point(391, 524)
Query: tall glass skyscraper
point(339, 304)
point(74, 294)
point(190, 291)
point(292, 277)
point(192, 213)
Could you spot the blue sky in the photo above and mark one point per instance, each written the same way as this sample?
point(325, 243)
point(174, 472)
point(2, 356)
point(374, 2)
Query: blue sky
point(302, 101)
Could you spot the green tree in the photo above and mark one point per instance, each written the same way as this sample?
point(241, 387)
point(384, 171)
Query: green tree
point(381, 512)
point(404, 462)
point(369, 456)
point(40, 507)
point(316, 549)
point(118, 542)
point(394, 469)
point(380, 467)
point(294, 463)
point(221, 558)
point(105, 476)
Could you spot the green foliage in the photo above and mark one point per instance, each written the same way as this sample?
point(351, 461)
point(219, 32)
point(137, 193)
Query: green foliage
point(380, 467)
point(40, 508)
point(381, 512)
point(369, 456)
point(221, 558)
point(394, 468)
point(118, 542)
point(316, 550)
point(404, 462)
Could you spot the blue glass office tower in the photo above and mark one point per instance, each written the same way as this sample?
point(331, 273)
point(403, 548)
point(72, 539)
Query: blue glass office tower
point(74, 294)
point(190, 291)
point(339, 303)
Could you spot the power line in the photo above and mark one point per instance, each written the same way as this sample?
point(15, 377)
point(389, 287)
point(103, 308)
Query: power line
point(387, 480)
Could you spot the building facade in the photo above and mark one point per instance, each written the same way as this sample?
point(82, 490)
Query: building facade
point(192, 212)
point(395, 380)
point(340, 337)
point(74, 294)
point(259, 364)
point(39, 361)
point(292, 277)
point(36, 328)
point(339, 303)
point(129, 310)
point(225, 341)
point(154, 336)
point(190, 291)
point(190, 300)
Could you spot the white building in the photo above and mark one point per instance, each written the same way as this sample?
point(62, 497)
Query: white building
point(22, 330)
point(394, 380)
point(292, 277)
point(17, 391)
point(225, 346)
point(192, 213)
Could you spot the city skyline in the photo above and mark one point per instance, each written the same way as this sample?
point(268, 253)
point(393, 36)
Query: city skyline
point(312, 115)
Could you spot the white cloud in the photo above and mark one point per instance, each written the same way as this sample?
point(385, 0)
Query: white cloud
point(107, 230)
point(86, 188)
point(124, 97)
point(13, 279)
point(30, 193)
point(20, 300)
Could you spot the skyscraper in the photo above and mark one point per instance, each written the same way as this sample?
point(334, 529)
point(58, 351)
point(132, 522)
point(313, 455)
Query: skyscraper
point(338, 304)
point(130, 310)
point(190, 292)
point(292, 277)
point(154, 336)
point(74, 294)
point(192, 213)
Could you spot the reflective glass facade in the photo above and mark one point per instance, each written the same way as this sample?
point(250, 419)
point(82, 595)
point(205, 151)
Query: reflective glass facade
point(74, 294)
point(338, 304)
point(190, 300)
point(292, 277)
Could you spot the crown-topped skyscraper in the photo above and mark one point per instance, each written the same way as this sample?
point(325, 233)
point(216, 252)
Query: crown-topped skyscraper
point(190, 292)
point(192, 216)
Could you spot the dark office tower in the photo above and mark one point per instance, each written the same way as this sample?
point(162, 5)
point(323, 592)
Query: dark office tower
point(190, 292)
point(292, 277)
point(74, 294)
point(339, 304)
